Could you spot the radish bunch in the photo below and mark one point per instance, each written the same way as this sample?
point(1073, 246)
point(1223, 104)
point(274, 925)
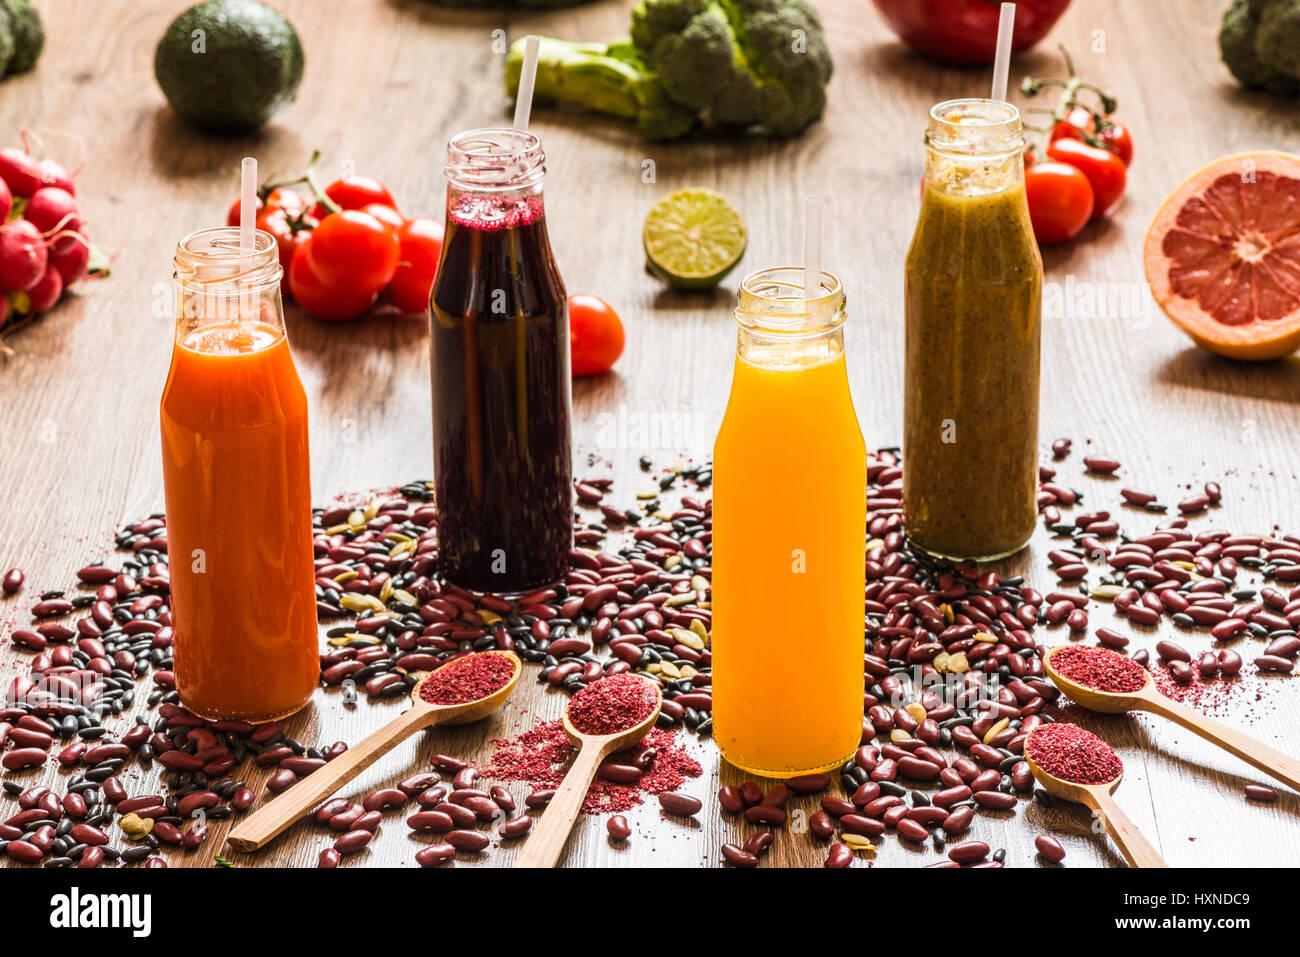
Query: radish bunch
point(43, 244)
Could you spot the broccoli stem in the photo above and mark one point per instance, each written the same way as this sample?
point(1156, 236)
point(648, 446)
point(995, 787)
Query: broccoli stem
point(582, 74)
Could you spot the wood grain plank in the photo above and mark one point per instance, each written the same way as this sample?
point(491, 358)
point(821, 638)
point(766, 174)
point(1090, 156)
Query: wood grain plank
point(387, 83)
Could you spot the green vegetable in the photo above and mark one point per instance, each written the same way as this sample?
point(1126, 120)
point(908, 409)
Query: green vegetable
point(506, 4)
point(734, 63)
point(229, 65)
point(28, 35)
point(6, 39)
point(1260, 43)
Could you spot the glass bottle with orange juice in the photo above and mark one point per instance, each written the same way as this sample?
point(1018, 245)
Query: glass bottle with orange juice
point(789, 517)
point(237, 479)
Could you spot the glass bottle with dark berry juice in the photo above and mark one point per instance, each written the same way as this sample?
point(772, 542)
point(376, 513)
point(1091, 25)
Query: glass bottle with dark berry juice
point(500, 365)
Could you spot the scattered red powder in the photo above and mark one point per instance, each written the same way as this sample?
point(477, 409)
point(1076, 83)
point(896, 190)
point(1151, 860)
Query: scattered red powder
point(1099, 669)
point(468, 679)
point(612, 704)
point(541, 756)
point(1068, 752)
point(1236, 696)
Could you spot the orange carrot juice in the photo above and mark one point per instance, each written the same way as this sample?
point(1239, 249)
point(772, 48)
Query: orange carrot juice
point(789, 517)
point(237, 478)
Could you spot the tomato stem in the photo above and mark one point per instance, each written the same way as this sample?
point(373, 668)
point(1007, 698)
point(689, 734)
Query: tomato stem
point(308, 178)
point(1068, 100)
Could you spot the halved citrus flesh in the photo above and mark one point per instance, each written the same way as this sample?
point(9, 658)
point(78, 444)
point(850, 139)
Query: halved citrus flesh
point(1223, 255)
point(693, 238)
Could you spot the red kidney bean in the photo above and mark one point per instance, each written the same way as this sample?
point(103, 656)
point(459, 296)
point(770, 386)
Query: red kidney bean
point(330, 808)
point(464, 840)
point(821, 825)
point(353, 841)
point(1050, 848)
point(618, 828)
point(738, 856)
point(243, 799)
point(384, 799)
point(839, 856)
point(995, 800)
point(809, 783)
point(1271, 663)
point(968, 852)
point(329, 858)
point(433, 822)
point(1258, 792)
point(861, 824)
point(20, 758)
point(24, 852)
point(434, 854)
point(681, 804)
point(281, 780)
point(515, 828)
point(911, 830)
point(765, 814)
point(959, 820)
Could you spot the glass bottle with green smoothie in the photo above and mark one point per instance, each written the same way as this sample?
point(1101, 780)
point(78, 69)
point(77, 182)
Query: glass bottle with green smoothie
point(972, 294)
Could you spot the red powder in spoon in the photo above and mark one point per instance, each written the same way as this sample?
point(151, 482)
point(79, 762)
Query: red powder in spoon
point(1068, 752)
point(611, 705)
point(468, 679)
point(1099, 669)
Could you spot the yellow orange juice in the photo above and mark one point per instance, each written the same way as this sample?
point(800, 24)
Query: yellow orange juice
point(789, 515)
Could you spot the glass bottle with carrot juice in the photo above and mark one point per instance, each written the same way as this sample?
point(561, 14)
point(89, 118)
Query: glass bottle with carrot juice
point(237, 480)
point(789, 517)
point(972, 296)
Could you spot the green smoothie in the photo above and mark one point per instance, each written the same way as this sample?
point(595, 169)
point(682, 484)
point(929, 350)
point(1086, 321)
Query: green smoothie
point(972, 295)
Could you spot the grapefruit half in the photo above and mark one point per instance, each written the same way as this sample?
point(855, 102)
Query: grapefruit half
point(1222, 256)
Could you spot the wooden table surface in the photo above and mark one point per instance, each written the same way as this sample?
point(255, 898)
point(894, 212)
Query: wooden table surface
point(388, 82)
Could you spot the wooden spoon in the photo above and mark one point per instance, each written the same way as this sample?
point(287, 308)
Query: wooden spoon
point(1148, 698)
point(260, 828)
point(1135, 848)
point(548, 839)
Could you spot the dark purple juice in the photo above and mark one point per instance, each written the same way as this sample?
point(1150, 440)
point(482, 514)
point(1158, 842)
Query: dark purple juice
point(501, 397)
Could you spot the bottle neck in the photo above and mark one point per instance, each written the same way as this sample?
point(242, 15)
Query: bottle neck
point(779, 325)
point(974, 147)
point(494, 178)
point(221, 289)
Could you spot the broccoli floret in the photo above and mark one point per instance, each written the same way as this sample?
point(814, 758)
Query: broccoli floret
point(1277, 38)
point(1260, 43)
point(730, 62)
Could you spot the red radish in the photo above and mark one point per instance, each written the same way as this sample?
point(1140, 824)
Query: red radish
point(54, 174)
point(72, 260)
point(20, 171)
point(47, 291)
point(23, 256)
point(53, 209)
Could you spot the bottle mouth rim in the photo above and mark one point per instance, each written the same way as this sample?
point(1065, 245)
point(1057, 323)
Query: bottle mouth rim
point(774, 300)
point(211, 257)
point(495, 157)
point(975, 126)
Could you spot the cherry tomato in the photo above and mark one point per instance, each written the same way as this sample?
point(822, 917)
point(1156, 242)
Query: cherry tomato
point(595, 335)
point(353, 252)
point(386, 215)
point(287, 238)
point(355, 192)
point(1114, 136)
point(318, 299)
point(286, 199)
point(1060, 200)
point(421, 242)
point(1104, 169)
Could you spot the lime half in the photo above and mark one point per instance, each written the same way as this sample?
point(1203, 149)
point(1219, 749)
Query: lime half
point(693, 238)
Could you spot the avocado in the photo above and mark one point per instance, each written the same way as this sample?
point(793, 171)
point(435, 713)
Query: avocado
point(6, 39)
point(28, 35)
point(229, 65)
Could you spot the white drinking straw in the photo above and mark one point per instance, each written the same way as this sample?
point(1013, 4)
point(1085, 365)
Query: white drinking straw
point(1002, 62)
point(527, 76)
point(812, 247)
point(247, 220)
